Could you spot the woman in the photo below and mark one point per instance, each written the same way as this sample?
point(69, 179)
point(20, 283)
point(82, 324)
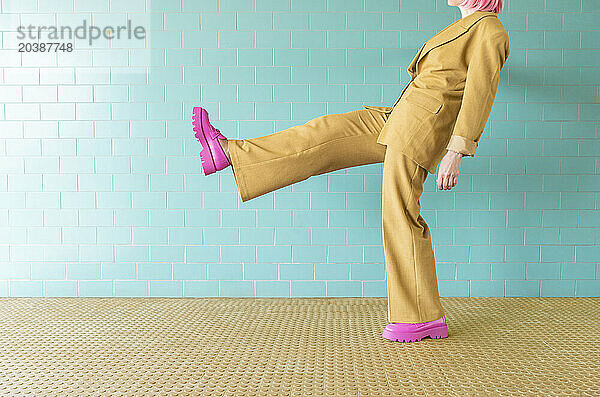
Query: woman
point(438, 119)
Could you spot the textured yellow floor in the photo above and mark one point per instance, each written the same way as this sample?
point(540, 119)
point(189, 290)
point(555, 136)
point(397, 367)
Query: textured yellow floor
point(294, 347)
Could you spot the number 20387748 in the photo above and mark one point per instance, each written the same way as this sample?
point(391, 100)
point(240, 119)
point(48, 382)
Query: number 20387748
point(45, 47)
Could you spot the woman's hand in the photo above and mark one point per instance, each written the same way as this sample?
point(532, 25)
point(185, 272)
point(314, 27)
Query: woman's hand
point(448, 171)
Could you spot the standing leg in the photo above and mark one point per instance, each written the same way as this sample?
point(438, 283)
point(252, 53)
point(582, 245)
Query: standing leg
point(411, 278)
point(324, 144)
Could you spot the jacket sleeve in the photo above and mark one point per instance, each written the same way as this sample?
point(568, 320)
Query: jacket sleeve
point(483, 74)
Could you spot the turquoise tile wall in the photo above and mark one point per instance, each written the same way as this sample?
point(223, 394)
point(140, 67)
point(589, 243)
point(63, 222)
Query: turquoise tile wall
point(101, 187)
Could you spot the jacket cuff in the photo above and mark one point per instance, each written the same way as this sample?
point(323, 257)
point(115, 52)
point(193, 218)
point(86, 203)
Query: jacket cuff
point(462, 145)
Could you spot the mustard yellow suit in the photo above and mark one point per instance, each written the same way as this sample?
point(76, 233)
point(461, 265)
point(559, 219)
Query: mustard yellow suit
point(445, 106)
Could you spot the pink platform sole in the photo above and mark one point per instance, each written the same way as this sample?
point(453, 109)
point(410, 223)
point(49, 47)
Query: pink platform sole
point(212, 154)
point(400, 332)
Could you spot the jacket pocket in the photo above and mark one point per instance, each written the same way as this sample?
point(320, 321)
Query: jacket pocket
point(383, 109)
point(426, 101)
point(411, 127)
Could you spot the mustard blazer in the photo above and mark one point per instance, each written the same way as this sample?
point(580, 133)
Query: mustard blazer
point(454, 79)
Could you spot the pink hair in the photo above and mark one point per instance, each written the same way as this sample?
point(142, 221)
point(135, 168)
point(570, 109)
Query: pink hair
point(484, 5)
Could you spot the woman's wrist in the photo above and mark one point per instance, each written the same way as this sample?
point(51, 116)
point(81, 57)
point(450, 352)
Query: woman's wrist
point(458, 154)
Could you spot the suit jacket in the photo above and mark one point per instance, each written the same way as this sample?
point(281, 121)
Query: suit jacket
point(454, 79)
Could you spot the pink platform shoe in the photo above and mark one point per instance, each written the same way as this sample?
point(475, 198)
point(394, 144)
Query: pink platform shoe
point(407, 332)
point(212, 154)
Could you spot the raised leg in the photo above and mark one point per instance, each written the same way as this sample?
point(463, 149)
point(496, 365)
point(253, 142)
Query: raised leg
point(324, 144)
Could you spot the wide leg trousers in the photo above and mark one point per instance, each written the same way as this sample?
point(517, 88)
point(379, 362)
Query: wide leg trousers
point(335, 141)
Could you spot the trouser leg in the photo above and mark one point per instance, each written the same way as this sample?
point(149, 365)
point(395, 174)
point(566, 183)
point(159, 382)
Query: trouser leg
point(336, 141)
point(324, 144)
point(410, 264)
